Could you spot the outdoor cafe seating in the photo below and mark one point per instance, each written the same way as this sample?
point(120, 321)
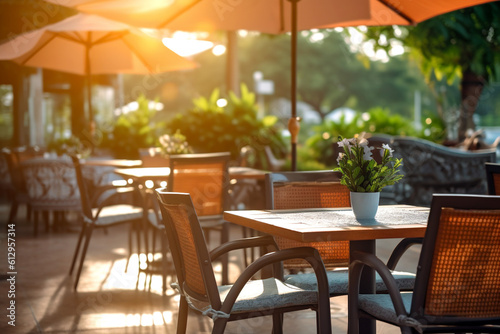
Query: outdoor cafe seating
point(322, 189)
point(52, 188)
point(247, 297)
point(18, 191)
point(104, 216)
point(456, 288)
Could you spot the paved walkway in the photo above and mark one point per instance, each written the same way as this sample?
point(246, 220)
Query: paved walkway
point(110, 300)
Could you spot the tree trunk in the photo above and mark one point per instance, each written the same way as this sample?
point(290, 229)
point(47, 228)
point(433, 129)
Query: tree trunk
point(471, 88)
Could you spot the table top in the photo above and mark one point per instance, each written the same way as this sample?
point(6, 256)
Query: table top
point(162, 173)
point(307, 225)
point(118, 163)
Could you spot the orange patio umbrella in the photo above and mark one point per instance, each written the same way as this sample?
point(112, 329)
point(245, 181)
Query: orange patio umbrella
point(87, 44)
point(269, 16)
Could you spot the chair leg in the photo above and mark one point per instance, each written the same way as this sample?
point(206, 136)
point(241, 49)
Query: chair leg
point(138, 230)
point(13, 211)
point(225, 257)
point(278, 323)
point(182, 317)
point(130, 232)
point(130, 252)
point(84, 252)
point(45, 215)
point(164, 250)
point(245, 251)
point(219, 326)
point(28, 209)
point(35, 223)
point(77, 249)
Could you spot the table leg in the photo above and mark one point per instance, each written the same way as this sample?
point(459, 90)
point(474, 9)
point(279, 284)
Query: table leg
point(367, 326)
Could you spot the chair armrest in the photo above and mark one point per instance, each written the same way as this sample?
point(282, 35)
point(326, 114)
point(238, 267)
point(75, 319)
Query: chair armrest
point(358, 261)
point(309, 254)
point(102, 199)
point(259, 241)
point(400, 249)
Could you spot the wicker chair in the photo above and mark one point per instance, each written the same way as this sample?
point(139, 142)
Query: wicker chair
point(206, 178)
point(247, 298)
point(14, 157)
point(493, 177)
point(457, 288)
point(322, 189)
point(51, 187)
point(102, 217)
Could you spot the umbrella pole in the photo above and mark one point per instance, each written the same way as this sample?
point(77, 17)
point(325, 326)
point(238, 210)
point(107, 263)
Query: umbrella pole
point(293, 122)
point(89, 126)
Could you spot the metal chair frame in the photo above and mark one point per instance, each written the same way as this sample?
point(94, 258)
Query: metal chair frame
point(493, 177)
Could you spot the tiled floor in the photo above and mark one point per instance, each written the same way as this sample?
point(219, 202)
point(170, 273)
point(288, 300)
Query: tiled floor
point(110, 300)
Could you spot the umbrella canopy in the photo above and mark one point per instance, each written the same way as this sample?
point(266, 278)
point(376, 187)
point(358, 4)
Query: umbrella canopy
point(269, 16)
point(87, 44)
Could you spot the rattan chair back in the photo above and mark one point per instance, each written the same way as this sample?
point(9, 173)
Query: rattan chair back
point(82, 186)
point(458, 275)
point(205, 177)
point(493, 177)
point(302, 190)
point(188, 247)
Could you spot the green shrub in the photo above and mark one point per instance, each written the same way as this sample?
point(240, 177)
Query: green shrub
point(133, 130)
point(211, 128)
point(376, 120)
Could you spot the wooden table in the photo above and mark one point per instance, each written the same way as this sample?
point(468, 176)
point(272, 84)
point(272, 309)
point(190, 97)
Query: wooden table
point(162, 173)
point(392, 221)
point(245, 182)
point(117, 163)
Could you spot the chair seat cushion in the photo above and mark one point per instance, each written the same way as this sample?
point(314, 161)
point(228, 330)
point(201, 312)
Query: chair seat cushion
point(116, 214)
point(380, 306)
point(268, 294)
point(338, 281)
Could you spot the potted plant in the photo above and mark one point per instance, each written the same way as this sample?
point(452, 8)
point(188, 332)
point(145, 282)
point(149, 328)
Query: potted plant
point(364, 177)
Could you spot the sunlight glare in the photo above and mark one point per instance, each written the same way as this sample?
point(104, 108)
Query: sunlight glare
point(133, 106)
point(382, 40)
point(317, 37)
point(168, 317)
point(397, 48)
point(221, 103)
point(157, 318)
point(186, 47)
point(133, 320)
point(368, 49)
point(356, 36)
point(219, 50)
point(382, 56)
point(397, 31)
point(147, 320)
